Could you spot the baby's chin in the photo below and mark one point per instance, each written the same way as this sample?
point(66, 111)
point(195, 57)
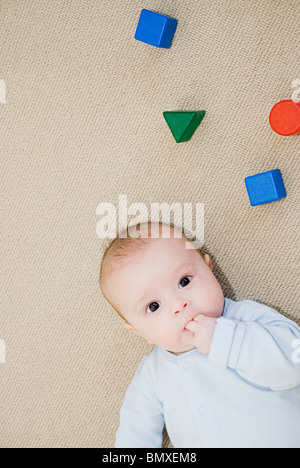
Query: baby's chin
point(182, 344)
point(184, 349)
point(177, 353)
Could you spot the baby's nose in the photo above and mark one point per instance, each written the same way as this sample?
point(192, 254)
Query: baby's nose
point(180, 307)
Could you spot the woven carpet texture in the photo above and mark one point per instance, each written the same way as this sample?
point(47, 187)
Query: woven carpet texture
point(82, 124)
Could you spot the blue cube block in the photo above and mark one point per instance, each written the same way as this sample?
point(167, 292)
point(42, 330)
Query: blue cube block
point(155, 29)
point(265, 187)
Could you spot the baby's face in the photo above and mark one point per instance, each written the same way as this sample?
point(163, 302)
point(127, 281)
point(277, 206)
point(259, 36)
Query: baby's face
point(159, 293)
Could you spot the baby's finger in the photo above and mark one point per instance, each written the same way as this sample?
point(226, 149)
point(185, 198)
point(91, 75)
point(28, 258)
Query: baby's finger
point(198, 318)
point(192, 326)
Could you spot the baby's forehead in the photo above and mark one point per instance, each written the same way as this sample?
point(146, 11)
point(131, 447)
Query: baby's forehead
point(164, 246)
point(170, 253)
point(144, 268)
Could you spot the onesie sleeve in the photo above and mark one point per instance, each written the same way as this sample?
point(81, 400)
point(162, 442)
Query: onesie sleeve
point(260, 345)
point(141, 416)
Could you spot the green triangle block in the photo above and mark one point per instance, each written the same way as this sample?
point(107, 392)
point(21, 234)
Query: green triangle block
point(183, 124)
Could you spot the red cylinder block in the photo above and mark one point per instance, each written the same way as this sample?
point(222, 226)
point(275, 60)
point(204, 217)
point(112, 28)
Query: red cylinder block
point(285, 118)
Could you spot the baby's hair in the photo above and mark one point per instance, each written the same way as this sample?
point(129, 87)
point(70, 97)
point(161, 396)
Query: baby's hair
point(131, 242)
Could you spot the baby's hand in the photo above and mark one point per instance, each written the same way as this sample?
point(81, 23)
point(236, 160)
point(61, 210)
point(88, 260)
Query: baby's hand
point(203, 328)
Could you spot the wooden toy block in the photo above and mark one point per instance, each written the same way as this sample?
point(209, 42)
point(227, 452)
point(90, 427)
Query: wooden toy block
point(183, 124)
point(265, 187)
point(285, 118)
point(155, 29)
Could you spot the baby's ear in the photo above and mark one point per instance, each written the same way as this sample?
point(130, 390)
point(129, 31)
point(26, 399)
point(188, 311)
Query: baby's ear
point(208, 261)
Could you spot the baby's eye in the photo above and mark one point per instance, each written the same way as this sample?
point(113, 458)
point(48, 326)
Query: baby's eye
point(152, 307)
point(185, 281)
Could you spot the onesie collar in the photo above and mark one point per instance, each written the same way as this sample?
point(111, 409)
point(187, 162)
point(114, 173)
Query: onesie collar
point(172, 357)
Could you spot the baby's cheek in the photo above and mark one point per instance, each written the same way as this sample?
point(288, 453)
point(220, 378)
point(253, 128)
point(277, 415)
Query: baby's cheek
point(167, 336)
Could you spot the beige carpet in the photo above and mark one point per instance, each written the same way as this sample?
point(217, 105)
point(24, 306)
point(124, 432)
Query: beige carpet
point(82, 124)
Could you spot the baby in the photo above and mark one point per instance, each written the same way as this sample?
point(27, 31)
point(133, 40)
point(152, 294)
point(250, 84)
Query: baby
point(222, 373)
